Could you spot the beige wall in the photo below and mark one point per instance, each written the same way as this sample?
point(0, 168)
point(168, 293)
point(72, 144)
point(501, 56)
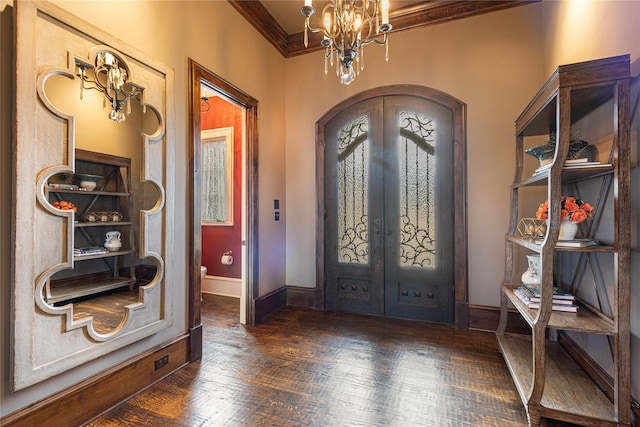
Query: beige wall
point(494, 63)
point(217, 37)
point(491, 62)
point(580, 30)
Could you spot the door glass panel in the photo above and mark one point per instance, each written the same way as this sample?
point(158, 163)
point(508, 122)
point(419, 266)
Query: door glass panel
point(353, 191)
point(417, 171)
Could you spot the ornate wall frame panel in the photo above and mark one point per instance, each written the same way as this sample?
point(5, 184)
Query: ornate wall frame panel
point(47, 338)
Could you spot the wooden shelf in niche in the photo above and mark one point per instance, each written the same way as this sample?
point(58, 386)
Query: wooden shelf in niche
point(102, 224)
point(100, 272)
point(66, 290)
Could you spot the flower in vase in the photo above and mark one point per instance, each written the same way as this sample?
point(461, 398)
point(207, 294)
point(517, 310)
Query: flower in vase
point(572, 209)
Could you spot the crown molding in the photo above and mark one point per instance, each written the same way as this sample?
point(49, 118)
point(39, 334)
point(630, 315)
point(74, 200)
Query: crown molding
point(416, 16)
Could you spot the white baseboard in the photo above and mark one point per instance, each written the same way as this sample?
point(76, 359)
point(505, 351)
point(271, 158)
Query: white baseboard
point(225, 286)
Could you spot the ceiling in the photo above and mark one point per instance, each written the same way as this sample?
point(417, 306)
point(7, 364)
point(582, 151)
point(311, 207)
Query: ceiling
point(282, 24)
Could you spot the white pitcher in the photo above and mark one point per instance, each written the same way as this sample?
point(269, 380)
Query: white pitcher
point(113, 242)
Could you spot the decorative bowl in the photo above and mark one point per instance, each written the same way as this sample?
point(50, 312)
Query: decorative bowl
point(88, 181)
point(542, 152)
point(577, 148)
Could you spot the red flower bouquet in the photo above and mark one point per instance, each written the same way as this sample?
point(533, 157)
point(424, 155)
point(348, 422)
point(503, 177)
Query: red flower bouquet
point(573, 209)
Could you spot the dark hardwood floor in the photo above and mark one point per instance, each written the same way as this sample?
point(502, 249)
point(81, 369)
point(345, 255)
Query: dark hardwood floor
point(311, 368)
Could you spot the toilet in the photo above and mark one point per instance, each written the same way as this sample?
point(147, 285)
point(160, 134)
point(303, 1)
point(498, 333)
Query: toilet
point(203, 273)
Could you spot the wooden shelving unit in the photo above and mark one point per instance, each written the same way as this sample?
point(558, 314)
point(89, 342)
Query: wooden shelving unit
point(550, 382)
point(112, 270)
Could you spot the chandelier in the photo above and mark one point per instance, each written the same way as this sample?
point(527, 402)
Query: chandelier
point(110, 76)
point(349, 25)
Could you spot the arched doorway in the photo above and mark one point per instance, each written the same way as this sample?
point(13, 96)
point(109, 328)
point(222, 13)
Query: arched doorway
point(392, 233)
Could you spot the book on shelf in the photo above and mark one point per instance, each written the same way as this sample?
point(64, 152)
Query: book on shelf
point(89, 250)
point(573, 164)
point(528, 296)
point(574, 161)
point(534, 302)
point(575, 243)
point(65, 187)
point(558, 293)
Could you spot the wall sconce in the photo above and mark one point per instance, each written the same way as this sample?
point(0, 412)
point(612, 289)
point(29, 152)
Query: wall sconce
point(110, 76)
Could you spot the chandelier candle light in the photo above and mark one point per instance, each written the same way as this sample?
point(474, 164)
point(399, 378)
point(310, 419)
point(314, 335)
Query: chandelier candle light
point(349, 25)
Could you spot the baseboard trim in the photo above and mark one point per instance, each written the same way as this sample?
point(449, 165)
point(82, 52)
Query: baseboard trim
point(224, 286)
point(267, 304)
point(461, 316)
point(300, 296)
point(89, 399)
point(195, 343)
point(477, 317)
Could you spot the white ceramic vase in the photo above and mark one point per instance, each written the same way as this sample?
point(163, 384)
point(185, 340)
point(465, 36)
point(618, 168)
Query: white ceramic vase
point(568, 230)
point(532, 276)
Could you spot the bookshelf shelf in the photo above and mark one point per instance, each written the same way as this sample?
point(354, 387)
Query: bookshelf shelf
point(545, 366)
point(94, 272)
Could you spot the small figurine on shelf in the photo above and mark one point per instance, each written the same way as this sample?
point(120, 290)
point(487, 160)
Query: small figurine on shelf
point(113, 242)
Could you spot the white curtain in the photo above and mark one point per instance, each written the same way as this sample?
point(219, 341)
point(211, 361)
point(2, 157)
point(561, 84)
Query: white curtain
point(214, 180)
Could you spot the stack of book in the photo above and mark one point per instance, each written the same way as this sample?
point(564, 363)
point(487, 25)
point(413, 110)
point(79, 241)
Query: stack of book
point(572, 164)
point(562, 300)
point(89, 250)
point(575, 243)
point(65, 187)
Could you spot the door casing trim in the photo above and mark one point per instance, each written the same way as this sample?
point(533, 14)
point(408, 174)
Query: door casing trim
point(197, 74)
point(458, 110)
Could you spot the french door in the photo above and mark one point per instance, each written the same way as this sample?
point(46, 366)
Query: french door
point(388, 189)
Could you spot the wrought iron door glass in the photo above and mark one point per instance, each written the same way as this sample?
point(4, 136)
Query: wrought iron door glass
point(417, 171)
point(353, 191)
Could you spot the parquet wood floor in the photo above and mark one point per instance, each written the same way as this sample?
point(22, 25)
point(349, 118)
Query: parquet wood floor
point(107, 310)
point(311, 368)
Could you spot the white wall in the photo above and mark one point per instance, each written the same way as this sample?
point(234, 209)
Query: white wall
point(216, 36)
point(490, 62)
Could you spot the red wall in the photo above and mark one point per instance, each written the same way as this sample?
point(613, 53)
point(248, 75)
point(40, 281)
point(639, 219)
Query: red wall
point(216, 240)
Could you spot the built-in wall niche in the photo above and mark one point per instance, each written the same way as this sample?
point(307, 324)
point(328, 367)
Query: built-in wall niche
point(64, 129)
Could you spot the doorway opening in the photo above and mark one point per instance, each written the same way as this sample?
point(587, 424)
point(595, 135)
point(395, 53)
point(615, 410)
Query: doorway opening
point(209, 91)
point(393, 237)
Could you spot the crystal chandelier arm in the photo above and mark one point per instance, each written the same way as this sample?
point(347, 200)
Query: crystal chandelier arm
point(349, 26)
point(382, 42)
